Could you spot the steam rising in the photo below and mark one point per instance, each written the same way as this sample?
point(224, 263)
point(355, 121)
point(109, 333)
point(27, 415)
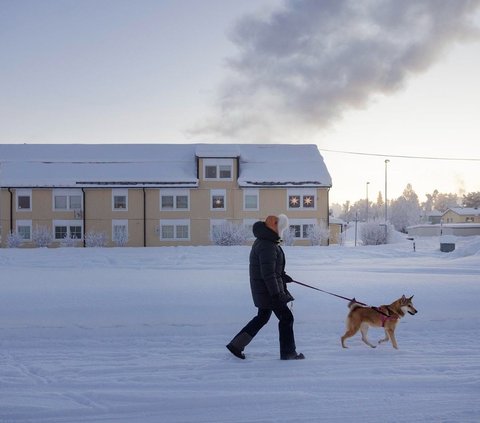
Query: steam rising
point(309, 62)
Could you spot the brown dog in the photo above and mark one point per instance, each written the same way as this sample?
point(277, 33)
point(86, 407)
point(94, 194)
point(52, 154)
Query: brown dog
point(386, 316)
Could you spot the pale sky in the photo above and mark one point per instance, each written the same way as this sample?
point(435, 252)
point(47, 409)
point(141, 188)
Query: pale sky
point(343, 76)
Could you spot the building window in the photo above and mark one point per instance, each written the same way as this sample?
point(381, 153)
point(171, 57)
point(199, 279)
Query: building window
point(24, 229)
point(175, 230)
point(469, 220)
point(250, 199)
point(67, 200)
point(61, 232)
point(120, 232)
point(300, 228)
point(120, 199)
point(167, 231)
point(218, 169)
point(75, 202)
point(66, 229)
point(225, 171)
point(60, 202)
point(210, 172)
point(75, 231)
point(174, 199)
point(300, 231)
point(301, 199)
point(218, 199)
point(24, 200)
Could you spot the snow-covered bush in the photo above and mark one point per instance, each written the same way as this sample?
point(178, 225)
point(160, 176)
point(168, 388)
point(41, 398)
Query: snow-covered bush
point(374, 234)
point(318, 235)
point(69, 241)
point(95, 239)
point(14, 240)
point(42, 236)
point(229, 234)
point(288, 237)
point(120, 238)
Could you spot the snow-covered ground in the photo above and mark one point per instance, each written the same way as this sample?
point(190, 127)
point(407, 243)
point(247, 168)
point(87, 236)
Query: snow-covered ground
point(138, 335)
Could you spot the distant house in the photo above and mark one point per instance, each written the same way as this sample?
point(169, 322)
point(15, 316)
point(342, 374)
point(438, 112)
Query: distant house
point(434, 216)
point(158, 194)
point(459, 221)
point(461, 215)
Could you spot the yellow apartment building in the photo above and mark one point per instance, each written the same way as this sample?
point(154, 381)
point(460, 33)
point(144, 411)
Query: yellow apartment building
point(148, 195)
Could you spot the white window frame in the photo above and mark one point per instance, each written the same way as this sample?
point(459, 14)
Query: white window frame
point(23, 193)
point(175, 223)
point(302, 193)
point(215, 193)
point(24, 223)
point(164, 192)
point(217, 163)
point(68, 193)
point(119, 192)
point(68, 224)
point(251, 192)
point(302, 223)
point(119, 223)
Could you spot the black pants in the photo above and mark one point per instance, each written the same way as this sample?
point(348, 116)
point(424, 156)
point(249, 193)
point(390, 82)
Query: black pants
point(285, 327)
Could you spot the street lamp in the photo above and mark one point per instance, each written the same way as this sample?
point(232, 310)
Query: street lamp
point(366, 219)
point(386, 198)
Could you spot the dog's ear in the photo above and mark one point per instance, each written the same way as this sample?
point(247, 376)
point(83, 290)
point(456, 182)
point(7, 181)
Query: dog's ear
point(410, 299)
point(403, 297)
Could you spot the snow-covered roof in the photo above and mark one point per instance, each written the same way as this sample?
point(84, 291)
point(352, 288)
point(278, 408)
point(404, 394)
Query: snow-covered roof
point(465, 211)
point(159, 165)
point(282, 165)
point(434, 213)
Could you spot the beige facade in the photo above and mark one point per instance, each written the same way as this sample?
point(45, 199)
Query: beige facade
point(461, 215)
point(175, 213)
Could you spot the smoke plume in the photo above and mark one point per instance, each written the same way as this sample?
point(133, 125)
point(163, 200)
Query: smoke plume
point(309, 62)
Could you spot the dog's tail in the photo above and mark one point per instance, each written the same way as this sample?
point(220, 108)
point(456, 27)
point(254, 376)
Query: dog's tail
point(353, 304)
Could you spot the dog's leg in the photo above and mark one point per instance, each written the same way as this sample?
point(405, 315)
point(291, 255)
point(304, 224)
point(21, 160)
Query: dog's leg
point(364, 331)
point(391, 334)
point(384, 339)
point(351, 330)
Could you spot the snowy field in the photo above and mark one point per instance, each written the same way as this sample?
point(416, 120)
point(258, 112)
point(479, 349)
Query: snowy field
point(138, 335)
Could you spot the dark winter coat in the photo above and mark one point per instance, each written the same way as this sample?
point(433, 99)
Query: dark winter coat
point(267, 267)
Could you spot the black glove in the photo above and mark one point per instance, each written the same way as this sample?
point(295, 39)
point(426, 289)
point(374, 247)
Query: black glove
point(286, 278)
point(281, 299)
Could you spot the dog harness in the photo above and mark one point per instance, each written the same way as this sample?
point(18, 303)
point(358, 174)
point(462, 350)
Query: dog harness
point(385, 314)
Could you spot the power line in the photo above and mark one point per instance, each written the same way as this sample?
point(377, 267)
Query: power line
point(401, 156)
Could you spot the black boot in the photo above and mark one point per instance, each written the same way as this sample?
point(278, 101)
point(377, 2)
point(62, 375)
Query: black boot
point(238, 344)
point(235, 351)
point(292, 356)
